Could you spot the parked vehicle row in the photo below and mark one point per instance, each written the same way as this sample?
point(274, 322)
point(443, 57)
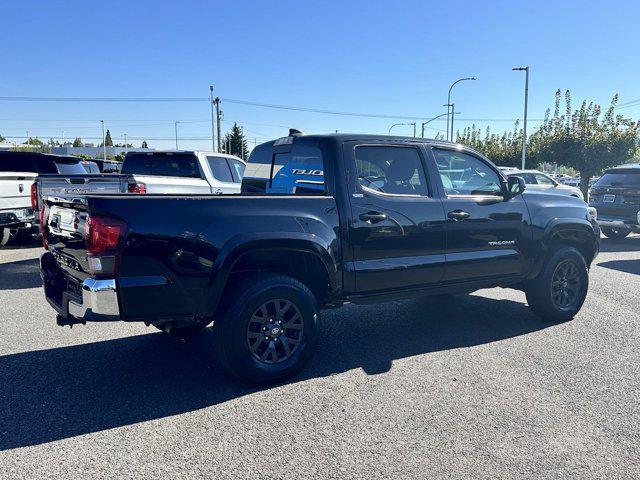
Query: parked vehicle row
point(539, 181)
point(321, 220)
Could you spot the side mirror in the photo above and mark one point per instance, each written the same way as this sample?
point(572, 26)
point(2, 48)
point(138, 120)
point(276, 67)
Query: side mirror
point(515, 185)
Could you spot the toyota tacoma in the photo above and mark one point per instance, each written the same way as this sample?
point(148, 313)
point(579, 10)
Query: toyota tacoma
point(322, 220)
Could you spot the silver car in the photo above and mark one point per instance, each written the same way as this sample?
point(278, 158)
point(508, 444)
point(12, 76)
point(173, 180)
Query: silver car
point(539, 181)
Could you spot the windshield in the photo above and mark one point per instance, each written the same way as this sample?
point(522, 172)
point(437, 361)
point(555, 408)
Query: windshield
point(70, 168)
point(627, 177)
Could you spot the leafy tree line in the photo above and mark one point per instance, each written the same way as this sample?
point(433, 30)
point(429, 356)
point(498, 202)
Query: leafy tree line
point(585, 139)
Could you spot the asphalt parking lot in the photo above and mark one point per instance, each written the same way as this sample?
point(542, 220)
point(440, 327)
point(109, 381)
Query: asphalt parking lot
point(474, 388)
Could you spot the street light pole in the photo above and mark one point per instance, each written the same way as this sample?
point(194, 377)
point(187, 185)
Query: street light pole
point(104, 145)
point(414, 129)
point(432, 119)
point(126, 148)
point(395, 125)
point(449, 105)
point(526, 101)
point(175, 125)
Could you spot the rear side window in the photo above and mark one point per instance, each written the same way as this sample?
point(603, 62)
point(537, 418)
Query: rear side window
point(220, 169)
point(620, 178)
point(390, 170)
point(164, 165)
point(298, 172)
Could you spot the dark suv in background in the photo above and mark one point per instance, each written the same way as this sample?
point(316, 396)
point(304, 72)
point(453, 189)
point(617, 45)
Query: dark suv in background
point(616, 197)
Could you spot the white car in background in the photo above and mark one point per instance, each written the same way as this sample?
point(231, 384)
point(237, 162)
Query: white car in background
point(538, 181)
point(16, 214)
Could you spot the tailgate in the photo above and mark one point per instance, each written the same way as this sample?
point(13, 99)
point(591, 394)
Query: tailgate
point(61, 185)
point(64, 229)
point(173, 185)
point(15, 190)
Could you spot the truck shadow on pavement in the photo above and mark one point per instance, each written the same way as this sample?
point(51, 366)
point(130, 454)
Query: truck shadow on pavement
point(628, 244)
point(628, 266)
point(19, 275)
point(52, 394)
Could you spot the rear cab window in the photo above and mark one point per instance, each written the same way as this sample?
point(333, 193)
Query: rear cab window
point(165, 164)
point(298, 170)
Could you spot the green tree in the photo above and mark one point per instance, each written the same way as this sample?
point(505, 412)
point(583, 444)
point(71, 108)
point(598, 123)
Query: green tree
point(144, 144)
point(2, 139)
point(502, 149)
point(78, 142)
point(584, 139)
point(234, 142)
point(108, 142)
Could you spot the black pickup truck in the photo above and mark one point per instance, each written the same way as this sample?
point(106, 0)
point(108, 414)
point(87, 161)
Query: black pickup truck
point(322, 220)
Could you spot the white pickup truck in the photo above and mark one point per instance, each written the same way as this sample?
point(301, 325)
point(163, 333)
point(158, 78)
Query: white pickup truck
point(170, 172)
point(16, 214)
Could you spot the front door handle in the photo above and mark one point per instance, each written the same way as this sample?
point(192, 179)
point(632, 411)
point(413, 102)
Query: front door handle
point(373, 217)
point(458, 215)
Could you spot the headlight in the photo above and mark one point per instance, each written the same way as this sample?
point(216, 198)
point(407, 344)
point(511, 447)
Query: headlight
point(592, 213)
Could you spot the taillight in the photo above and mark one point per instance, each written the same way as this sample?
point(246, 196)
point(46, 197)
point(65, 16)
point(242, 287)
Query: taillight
point(43, 228)
point(34, 196)
point(102, 234)
point(137, 188)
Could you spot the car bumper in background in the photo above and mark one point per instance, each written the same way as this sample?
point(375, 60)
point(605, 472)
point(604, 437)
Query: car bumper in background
point(21, 217)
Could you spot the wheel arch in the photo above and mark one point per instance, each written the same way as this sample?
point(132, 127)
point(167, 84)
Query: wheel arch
point(305, 257)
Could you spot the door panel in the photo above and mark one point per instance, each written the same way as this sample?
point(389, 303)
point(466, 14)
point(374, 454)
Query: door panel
point(397, 230)
point(488, 240)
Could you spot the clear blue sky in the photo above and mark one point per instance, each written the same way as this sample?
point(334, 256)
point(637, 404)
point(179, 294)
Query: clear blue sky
point(388, 57)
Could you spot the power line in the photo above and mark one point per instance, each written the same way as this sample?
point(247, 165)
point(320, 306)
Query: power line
point(239, 102)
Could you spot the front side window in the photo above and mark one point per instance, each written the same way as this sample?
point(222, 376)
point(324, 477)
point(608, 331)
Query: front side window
point(237, 169)
point(390, 170)
point(464, 174)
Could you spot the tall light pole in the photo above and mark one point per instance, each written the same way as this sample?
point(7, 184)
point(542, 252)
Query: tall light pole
point(218, 121)
point(126, 147)
point(414, 128)
point(432, 119)
point(175, 125)
point(450, 105)
point(104, 144)
point(395, 125)
point(526, 101)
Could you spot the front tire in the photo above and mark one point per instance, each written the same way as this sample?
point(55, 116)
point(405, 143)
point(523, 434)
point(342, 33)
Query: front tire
point(268, 331)
point(615, 233)
point(559, 291)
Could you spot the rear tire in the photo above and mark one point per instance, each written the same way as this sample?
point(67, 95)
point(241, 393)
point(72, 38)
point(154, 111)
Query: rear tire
point(8, 236)
point(268, 329)
point(615, 233)
point(559, 291)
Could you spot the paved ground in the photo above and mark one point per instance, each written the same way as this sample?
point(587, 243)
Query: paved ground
point(475, 389)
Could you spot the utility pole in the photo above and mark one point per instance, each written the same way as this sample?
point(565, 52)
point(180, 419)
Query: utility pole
point(213, 134)
point(218, 119)
point(526, 101)
point(28, 139)
point(126, 147)
point(175, 125)
point(453, 107)
point(414, 129)
point(62, 138)
point(104, 145)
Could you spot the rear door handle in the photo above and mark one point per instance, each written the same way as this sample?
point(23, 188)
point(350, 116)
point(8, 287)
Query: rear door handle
point(373, 217)
point(458, 215)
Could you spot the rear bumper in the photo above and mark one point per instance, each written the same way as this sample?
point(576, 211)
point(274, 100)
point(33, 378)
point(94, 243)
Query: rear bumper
point(21, 217)
point(95, 300)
